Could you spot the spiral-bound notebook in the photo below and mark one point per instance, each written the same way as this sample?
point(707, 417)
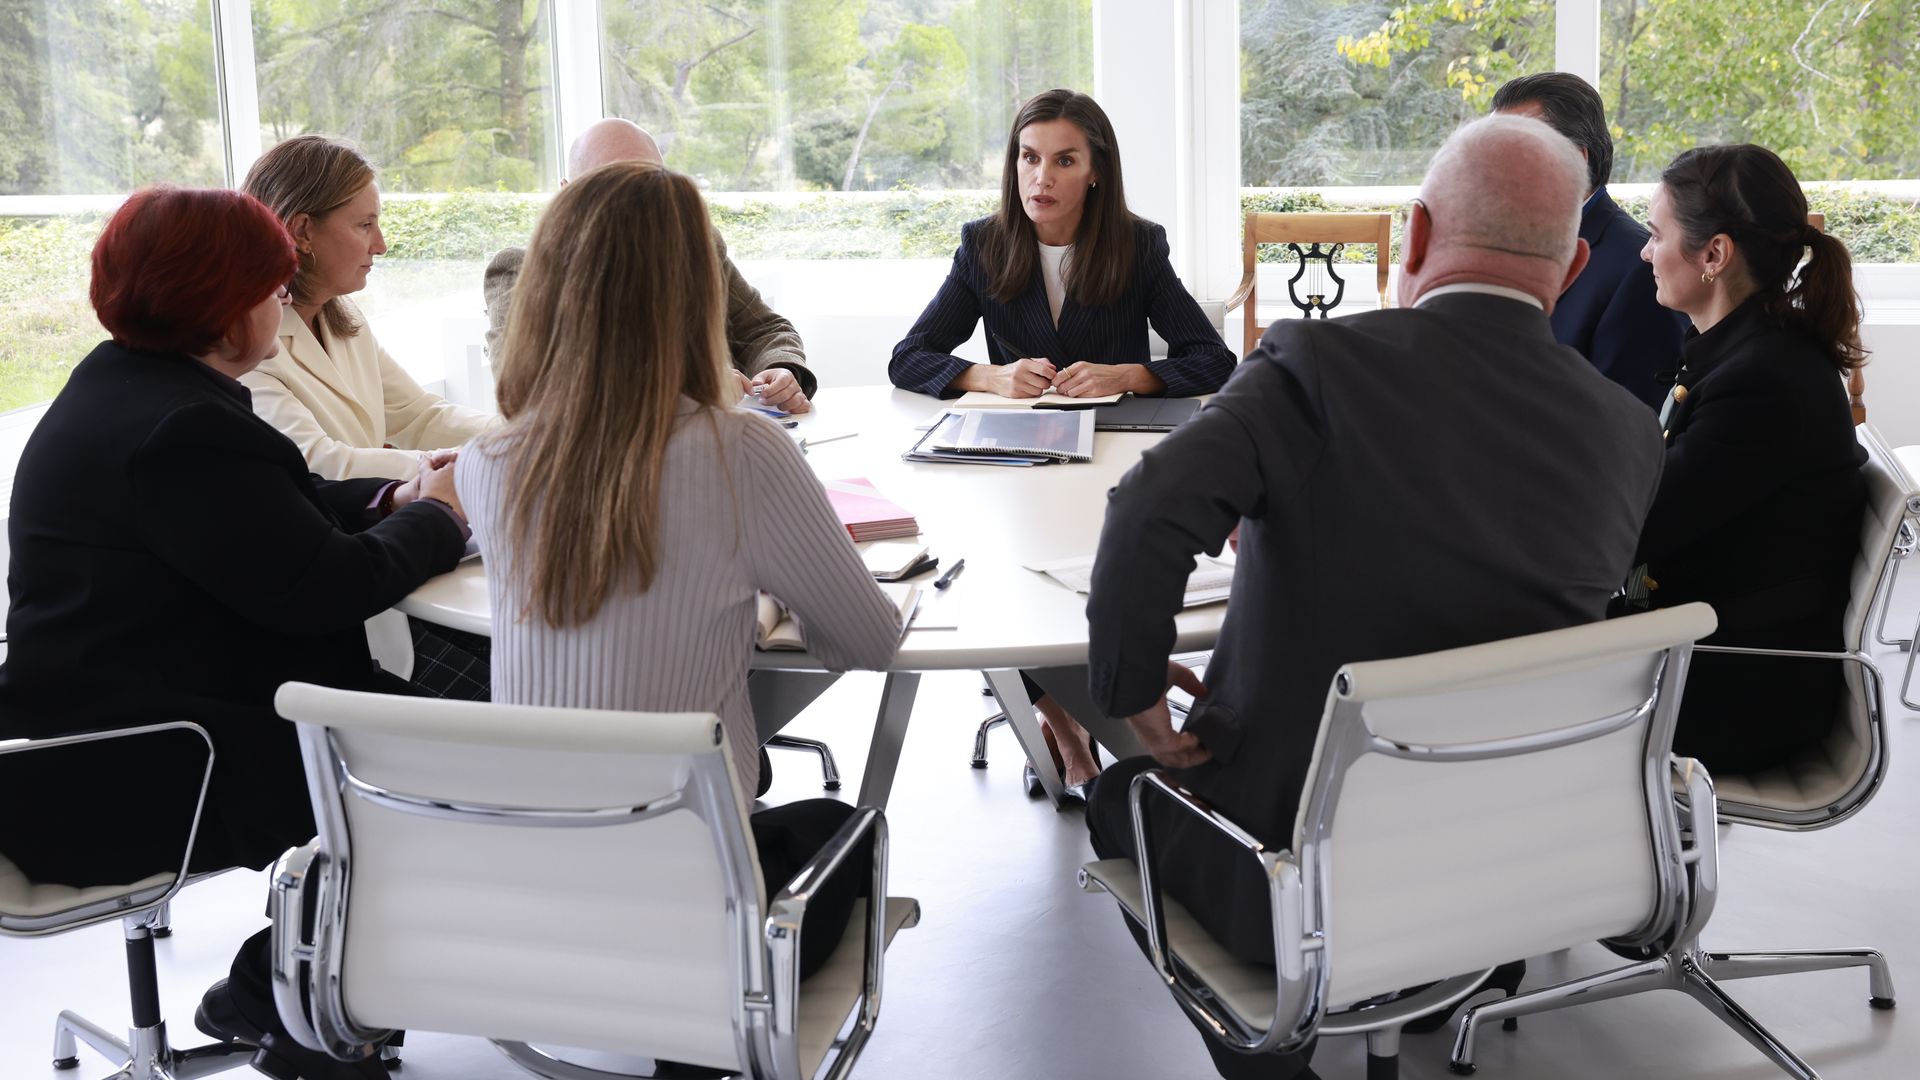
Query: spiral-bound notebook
point(1062, 436)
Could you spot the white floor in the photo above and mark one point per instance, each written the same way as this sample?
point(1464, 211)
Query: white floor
point(1015, 973)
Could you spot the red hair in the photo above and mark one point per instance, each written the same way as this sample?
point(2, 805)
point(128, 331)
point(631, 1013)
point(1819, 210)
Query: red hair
point(175, 268)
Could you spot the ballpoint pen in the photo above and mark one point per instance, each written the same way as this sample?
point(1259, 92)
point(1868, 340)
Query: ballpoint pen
point(953, 571)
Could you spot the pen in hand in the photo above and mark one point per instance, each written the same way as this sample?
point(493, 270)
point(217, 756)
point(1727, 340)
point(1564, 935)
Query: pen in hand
point(953, 571)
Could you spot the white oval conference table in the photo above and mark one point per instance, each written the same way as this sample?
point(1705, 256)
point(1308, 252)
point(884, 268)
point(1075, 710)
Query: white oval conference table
point(997, 617)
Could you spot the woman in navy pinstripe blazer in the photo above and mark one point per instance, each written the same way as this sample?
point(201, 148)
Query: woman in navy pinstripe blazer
point(1065, 276)
point(1068, 281)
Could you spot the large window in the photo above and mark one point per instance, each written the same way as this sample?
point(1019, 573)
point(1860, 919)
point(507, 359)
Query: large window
point(1361, 92)
point(782, 107)
point(1830, 84)
point(452, 100)
point(96, 97)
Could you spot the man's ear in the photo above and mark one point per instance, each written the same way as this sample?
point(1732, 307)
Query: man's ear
point(1581, 253)
point(1413, 250)
point(1419, 235)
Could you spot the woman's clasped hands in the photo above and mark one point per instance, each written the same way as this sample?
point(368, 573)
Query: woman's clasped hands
point(1032, 377)
point(434, 481)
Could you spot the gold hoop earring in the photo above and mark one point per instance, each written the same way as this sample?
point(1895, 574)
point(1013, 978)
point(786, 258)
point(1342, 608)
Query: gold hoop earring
point(1706, 278)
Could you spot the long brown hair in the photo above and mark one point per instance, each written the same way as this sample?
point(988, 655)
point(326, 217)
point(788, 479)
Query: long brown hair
point(1104, 247)
point(1748, 193)
point(618, 314)
point(313, 175)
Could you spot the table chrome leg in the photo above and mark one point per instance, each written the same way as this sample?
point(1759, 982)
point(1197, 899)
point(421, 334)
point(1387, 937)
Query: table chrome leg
point(1012, 694)
point(889, 734)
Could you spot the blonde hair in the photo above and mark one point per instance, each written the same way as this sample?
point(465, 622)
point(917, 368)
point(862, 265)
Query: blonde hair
point(313, 175)
point(618, 314)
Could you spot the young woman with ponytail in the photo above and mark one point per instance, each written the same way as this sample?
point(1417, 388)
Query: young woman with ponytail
point(1759, 507)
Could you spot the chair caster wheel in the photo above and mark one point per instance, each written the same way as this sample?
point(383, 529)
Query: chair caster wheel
point(1460, 1069)
point(1511, 1023)
point(832, 785)
point(66, 1063)
point(1880, 1002)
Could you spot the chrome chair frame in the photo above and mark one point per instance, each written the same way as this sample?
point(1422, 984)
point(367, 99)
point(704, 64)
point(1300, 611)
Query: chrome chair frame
point(1299, 882)
point(1862, 791)
point(1685, 965)
point(829, 769)
point(145, 1052)
point(766, 951)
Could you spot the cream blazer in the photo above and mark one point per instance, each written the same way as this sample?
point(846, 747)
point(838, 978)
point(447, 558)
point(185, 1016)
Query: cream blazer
point(350, 409)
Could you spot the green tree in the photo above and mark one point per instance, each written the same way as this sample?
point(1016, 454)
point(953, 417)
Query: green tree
point(443, 94)
point(1828, 84)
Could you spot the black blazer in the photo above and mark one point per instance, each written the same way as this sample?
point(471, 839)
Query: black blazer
point(1759, 515)
point(1609, 312)
point(1404, 481)
point(173, 559)
point(1197, 361)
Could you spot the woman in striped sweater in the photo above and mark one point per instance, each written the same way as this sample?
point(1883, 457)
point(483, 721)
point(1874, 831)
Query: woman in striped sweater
point(628, 518)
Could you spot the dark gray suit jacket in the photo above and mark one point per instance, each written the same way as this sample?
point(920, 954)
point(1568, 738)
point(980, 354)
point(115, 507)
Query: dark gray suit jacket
point(758, 337)
point(1404, 481)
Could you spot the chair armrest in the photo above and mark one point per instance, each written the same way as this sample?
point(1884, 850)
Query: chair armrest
point(292, 949)
point(1240, 293)
point(786, 913)
point(1699, 817)
point(118, 908)
point(1295, 1014)
point(1877, 700)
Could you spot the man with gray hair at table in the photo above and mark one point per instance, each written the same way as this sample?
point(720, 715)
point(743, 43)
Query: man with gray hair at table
point(765, 348)
point(1404, 481)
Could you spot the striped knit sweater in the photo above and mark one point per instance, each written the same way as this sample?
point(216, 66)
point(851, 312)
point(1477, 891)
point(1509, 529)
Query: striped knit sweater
point(740, 512)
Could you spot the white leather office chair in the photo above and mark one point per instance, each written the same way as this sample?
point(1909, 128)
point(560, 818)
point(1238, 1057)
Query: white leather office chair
point(1463, 809)
point(563, 877)
point(1827, 785)
point(30, 908)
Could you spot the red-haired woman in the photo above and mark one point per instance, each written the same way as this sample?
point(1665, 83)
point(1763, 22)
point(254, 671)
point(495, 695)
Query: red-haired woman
point(174, 559)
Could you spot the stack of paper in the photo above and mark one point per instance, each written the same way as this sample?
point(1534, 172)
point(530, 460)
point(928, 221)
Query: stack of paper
point(867, 514)
point(1210, 582)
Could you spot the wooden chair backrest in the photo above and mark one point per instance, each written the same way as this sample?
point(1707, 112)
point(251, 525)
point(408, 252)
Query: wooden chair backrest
point(1304, 229)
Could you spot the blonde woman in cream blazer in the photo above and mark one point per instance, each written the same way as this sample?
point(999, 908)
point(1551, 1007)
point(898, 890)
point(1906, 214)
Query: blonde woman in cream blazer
point(350, 408)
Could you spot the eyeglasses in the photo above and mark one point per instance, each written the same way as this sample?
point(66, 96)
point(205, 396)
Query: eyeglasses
point(284, 294)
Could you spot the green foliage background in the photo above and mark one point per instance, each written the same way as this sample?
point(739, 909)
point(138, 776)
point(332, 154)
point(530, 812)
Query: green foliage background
point(1361, 91)
point(46, 324)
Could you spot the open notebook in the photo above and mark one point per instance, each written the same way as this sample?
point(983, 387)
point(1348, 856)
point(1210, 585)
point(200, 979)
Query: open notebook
point(1052, 399)
point(778, 631)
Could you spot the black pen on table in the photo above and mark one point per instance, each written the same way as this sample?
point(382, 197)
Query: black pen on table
point(953, 571)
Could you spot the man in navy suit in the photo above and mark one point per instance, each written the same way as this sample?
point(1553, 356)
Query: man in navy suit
point(1609, 312)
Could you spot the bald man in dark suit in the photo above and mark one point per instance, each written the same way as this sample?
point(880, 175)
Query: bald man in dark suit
point(1419, 478)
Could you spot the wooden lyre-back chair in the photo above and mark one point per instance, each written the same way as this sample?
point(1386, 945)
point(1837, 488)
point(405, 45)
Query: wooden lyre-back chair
point(1305, 233)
